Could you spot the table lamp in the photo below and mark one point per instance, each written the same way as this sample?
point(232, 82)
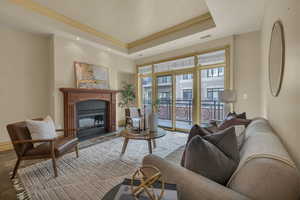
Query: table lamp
point(228, 96)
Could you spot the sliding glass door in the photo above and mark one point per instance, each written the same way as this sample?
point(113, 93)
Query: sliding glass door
point(212, 83)
point(186, 90)
point(184, 101)
point(146, 91)
point(164, 86)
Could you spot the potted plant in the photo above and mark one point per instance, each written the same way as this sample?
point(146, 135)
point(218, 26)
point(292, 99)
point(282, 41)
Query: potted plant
point(127, 96)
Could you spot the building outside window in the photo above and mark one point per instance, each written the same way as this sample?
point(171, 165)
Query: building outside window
point(187, 76)
point(215, 72)
point(164, 79)
point(213, 93)
point(164, 95)
point(187, 93)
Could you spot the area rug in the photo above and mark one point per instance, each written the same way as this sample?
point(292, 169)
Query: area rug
point(97, 170)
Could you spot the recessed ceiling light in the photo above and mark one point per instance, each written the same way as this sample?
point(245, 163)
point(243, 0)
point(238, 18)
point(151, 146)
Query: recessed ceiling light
point(204, 37)
point(77, 38)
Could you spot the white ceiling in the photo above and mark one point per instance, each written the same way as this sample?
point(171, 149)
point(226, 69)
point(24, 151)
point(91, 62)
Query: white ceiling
point(129, 20)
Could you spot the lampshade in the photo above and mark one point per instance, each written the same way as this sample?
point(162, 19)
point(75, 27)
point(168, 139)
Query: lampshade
point(227, 96)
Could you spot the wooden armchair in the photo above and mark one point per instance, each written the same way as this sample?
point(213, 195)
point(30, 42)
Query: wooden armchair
point(49, 148)
point(133, 118)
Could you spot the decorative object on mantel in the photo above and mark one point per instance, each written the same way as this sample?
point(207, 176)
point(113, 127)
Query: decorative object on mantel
point(276, 58)
point(91, 76)
point(228, 96)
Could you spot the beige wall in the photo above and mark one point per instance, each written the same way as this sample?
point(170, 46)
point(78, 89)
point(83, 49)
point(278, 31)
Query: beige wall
point(244, 67)
point(283, 111)
point(247, 66)
point(67, 51)
point(24, 77)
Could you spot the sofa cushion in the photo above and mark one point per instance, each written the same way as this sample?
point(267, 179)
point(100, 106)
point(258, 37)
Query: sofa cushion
point(214, 156)
point(265, 171)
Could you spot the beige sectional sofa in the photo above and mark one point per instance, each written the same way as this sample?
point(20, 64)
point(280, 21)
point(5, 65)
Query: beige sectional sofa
point(265, 172)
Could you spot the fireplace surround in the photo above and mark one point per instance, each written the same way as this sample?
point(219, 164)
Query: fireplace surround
point(91, 111)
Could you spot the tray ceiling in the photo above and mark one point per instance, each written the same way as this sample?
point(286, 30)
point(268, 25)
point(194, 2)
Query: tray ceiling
point(134, 27)
point(128, 20)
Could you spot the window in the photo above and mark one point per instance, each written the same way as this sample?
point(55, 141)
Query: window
point(175, 81)
point(187, 94)
point(146, 82)
point(146, 90)
point(175, 64)
point(147, 96)
point(215, 72)
point(213, 93)
point(164, 80)
point(187, 76)
point(145, 69)
point(212, 58)
point(164, 95)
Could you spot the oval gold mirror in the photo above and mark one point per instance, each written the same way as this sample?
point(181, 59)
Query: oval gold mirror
point(276, 58)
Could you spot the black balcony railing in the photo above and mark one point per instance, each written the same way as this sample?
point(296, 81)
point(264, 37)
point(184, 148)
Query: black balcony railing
point(211, 110)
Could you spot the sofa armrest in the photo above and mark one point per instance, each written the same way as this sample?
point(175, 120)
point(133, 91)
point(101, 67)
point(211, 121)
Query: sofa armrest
point(191, 186)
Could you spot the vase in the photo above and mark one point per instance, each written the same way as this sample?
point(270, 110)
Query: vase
point(153, 121)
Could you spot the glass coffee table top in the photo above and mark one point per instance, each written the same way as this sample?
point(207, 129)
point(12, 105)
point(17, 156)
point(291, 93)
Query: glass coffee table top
point(146, 135)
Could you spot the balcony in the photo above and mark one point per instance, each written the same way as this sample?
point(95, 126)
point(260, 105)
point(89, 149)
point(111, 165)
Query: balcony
point(210, 110)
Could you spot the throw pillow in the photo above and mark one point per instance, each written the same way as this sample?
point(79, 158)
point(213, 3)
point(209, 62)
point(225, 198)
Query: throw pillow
point(239, 131)
point(214, 156)
point(44, 129)
point(233, 122)
point(195, 130)
point(231, 115)
point(242, 115)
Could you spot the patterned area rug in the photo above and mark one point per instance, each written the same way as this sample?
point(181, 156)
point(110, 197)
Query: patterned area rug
point(98, 169)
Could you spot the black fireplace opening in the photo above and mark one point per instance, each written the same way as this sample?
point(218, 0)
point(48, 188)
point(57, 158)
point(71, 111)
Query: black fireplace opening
point(91, 119)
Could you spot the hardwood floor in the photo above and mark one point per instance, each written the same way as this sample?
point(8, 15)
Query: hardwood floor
point(7, 161)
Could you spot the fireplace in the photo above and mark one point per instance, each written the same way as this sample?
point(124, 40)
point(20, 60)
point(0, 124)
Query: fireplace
point(91, 111)
point(91, 118)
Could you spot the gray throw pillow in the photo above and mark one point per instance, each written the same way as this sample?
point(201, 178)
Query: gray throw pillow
point(214, 156)
point(195, 130)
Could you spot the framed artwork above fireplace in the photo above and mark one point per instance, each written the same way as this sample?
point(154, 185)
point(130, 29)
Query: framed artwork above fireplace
point(91, 76)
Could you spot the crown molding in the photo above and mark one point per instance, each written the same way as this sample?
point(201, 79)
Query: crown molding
point(43, 10)
point(179, 27)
